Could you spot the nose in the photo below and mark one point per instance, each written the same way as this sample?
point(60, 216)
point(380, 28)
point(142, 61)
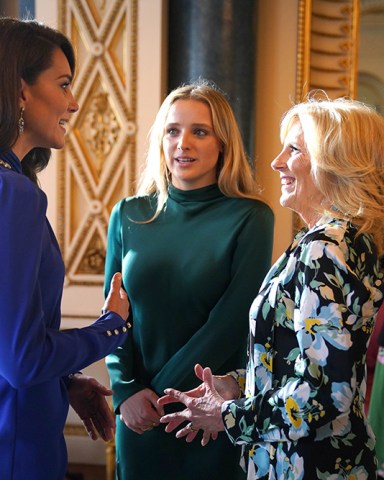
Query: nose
point(278, 163)
point(73, 106)
point(183, 143)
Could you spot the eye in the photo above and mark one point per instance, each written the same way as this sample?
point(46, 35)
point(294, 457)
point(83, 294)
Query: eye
point(294, 149)
point(65, 85)
point(200, 132)
point(172, 131)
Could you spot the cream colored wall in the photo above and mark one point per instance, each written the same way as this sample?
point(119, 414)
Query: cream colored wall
point(276, 86)
point(276, 63)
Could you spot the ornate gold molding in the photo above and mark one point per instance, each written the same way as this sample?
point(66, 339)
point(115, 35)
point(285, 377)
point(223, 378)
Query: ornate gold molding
point(98, 164)
point(327, 47)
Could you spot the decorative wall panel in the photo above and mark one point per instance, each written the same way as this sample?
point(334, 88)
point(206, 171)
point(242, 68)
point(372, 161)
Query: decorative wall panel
point(327, 47)
point(97, 166)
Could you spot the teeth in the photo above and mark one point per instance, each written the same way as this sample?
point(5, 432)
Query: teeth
point(185, 160)
point(286, 181)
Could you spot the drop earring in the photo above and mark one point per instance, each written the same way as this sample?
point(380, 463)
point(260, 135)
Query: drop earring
point(21, 121)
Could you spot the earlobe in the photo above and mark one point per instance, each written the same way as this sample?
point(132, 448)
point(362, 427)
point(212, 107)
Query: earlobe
point(23, 98)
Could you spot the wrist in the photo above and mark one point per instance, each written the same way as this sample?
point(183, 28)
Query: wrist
point(234, 386)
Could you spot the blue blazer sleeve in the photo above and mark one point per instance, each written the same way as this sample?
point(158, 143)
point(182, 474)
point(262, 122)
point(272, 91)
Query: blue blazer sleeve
point(33, 349)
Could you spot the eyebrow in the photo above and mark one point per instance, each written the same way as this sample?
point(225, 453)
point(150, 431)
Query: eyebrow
point(66, 76)
point(194, 125)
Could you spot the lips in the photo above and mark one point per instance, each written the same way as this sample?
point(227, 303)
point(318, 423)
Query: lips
point(287, 181)
point(63, 124)
point(184, 159)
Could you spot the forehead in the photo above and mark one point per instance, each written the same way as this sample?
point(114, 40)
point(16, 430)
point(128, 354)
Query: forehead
point(293, 132)
point(194, 110)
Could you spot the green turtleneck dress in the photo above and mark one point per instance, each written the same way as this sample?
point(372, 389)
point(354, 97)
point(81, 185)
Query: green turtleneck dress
point(191, 276)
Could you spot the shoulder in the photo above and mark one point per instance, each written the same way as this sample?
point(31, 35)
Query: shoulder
point(137, 208)
point(327, 231)
point(337, 240)
point(340, 232)
point(18, 190)
point(251, 205)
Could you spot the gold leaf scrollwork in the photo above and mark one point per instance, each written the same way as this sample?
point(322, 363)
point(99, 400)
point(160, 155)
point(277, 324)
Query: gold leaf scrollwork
point(101, 127)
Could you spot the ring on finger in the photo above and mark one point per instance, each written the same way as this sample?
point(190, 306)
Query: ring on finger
point(191, 427)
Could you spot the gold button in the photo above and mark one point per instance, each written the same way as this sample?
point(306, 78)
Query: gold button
point(109, 333)
point(116, 331)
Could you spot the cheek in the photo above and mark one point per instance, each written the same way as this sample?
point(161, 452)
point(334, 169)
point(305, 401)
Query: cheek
point(213, 154)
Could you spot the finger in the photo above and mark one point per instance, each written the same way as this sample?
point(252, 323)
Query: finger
point(109, 434)
point(99, 425)
point(197, 392)
point(106, 430)
point(186, 432)
point(206, 438)
point(157, 407)
point(107, 418)
point(208, 379)
point(101, 389)
point(178, 416)
point(172, 425)
point(90, 428)
point(199, 371)
point(177, 395)
point(165, 400)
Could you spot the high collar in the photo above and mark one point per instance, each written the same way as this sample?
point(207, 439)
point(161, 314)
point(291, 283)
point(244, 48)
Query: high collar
point(198, 195)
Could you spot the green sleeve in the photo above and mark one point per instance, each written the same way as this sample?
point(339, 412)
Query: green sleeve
point(227, 326)
point(120, 362)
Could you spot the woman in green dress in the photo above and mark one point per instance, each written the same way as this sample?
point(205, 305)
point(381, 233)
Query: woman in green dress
point(193, 247)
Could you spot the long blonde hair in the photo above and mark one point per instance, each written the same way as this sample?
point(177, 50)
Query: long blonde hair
point(345, 141)
point(235, 176)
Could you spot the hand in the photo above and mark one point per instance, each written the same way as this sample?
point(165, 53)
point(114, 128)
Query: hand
point(117, 300)
point(141, 412)
point(225, 385)
point(87, 398)
point(203, 412)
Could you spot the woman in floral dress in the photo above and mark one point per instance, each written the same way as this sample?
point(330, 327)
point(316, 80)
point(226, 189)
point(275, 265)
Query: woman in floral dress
point(303, 412)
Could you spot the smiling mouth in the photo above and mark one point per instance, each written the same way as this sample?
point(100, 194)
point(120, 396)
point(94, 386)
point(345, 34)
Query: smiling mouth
point(287, 181)
point(184, 160)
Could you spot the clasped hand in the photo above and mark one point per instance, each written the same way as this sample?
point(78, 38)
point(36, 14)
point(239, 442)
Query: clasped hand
point(203, 406)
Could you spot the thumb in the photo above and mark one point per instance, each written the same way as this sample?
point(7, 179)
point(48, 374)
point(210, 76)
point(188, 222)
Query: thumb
point(123, 294)
point(116, 281)
point(159, 408)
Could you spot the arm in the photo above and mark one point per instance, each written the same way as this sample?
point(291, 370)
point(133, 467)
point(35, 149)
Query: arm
point(33, 349)
point(120, 362)
point(226, 329)
point(332, 305)
point(136, 404)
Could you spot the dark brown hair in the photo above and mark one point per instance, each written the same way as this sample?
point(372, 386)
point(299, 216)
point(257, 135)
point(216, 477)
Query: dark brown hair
point(26, 50)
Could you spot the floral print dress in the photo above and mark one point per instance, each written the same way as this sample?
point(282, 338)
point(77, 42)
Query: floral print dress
point(303, 415)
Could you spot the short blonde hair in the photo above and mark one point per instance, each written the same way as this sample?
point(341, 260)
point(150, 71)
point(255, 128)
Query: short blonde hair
point(234, 177)
point(345, 141)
